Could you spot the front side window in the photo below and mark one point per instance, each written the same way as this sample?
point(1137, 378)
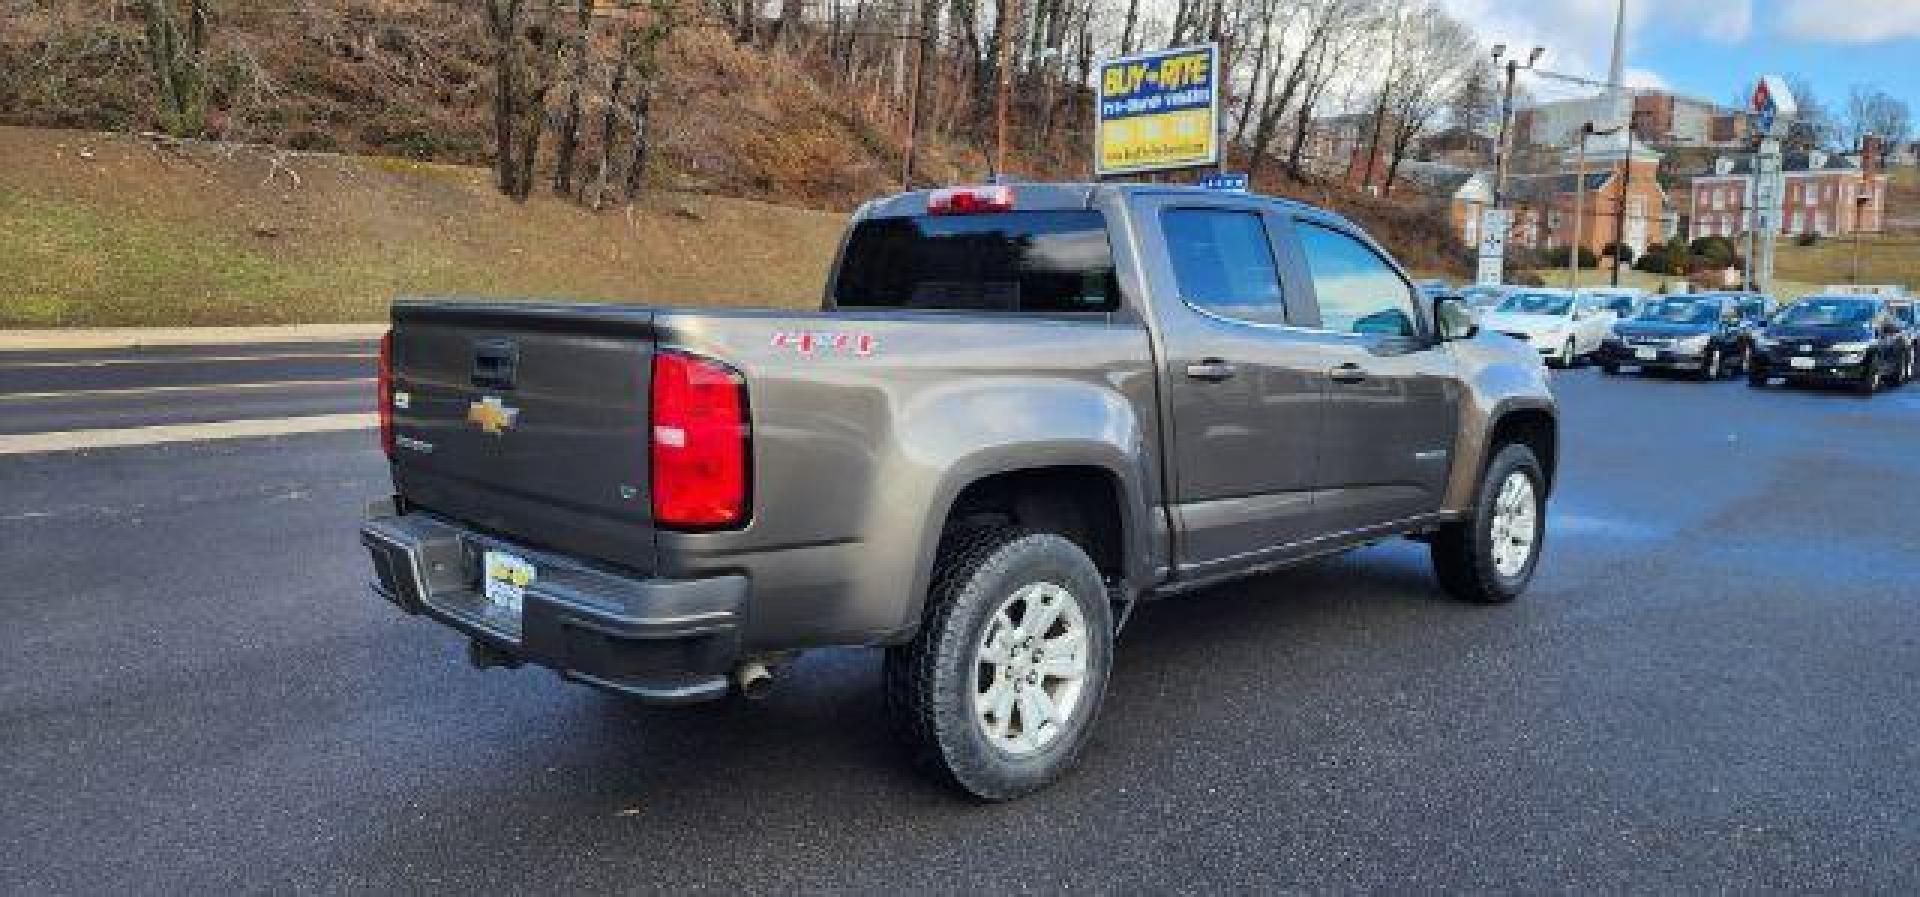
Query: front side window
point(1040, 261)
point(1358, 292)
point(1223, 263)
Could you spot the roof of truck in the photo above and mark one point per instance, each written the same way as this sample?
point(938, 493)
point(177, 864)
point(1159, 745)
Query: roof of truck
point(1055, 195)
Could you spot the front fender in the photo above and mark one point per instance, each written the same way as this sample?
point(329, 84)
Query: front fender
point(1497, 383)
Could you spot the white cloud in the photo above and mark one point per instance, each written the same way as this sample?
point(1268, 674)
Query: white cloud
point(1844, 22)
point(1646, 79)
point(1578, 34)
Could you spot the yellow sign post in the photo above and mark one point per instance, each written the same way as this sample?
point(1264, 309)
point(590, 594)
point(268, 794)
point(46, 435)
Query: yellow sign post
point(1158, 111)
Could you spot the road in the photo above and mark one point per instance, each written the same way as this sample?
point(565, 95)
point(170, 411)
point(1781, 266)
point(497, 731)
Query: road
point(1710, 687)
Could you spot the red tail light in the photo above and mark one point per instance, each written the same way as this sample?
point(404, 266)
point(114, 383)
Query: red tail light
point(386, 393)
point(970, 200)
point(700, 433)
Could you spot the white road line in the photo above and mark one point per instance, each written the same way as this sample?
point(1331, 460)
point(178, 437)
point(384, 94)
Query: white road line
point(198, 387)
point(193, 359)
point(76, 440)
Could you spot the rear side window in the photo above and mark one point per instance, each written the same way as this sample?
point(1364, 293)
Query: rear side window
point(1224, 264)
point(1040, 261)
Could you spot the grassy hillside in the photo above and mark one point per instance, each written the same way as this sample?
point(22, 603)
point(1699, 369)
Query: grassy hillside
point(100, 230)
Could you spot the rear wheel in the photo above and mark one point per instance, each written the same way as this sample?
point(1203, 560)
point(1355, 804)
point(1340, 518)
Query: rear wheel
point(1609, 368)
point(998, 692)
point(1490, 558)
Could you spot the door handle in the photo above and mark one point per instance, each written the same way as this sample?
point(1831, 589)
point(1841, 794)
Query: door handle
point(1212, 370)
point(1348, 373)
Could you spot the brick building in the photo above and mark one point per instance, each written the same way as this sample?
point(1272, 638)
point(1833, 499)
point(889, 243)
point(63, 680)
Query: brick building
point(1829, 194)
point(1623, 202)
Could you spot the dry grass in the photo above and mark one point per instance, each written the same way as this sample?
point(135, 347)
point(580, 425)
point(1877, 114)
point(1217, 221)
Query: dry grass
point(100, 230)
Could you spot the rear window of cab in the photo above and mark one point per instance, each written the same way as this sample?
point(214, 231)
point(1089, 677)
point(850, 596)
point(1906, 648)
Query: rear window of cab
point(1036, 261)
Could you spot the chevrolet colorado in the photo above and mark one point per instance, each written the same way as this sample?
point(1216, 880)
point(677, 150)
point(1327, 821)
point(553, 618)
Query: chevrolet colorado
point(1020, 410)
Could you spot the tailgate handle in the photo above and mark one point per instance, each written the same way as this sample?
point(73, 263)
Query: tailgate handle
point(494, 361)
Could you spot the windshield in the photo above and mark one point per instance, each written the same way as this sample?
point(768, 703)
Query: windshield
point(1042, 261)
point(1681, 311)
point(1827, 313)
point(1537, 304)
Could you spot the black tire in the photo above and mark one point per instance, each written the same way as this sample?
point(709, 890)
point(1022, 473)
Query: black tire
point(1756, 378)
point(1869, 382)
point(1609, 368)
point(929, 682)
point(1463, 552)
point(1714, 367)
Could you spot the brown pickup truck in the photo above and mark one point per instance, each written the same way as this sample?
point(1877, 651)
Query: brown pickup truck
point(1020, 410)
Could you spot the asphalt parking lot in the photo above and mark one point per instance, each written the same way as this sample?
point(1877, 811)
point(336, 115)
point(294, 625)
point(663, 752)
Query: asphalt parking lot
point(1710, 687)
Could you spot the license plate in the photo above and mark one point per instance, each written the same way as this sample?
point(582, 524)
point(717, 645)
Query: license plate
point(1646, 354)
point(504, 580)
point(1800, 362)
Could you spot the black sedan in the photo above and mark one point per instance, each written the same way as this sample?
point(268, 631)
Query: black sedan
point(1698, 334)
point(1854, 340)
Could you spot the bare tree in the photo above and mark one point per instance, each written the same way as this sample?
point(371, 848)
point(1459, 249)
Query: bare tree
point(1440, 51)
point(1872, 112)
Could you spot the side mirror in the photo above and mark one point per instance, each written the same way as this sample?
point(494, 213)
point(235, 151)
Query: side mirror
point(1453, 319)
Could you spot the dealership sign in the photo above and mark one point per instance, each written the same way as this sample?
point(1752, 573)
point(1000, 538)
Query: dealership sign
point(1159, 111)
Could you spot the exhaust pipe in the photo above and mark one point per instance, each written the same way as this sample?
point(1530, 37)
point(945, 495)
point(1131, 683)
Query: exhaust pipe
point(754, 680)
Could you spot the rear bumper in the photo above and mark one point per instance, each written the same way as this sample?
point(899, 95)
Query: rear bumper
point(659, 640)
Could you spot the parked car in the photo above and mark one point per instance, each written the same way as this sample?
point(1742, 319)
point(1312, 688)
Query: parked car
point(1562, 327)
point(1483, 298)
point(1624, 302)
point(1701, 334)
point(1020, 410)
point(1856, 340)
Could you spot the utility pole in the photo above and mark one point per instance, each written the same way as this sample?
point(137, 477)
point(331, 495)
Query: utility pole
point(1626, 192)
point(1579, 200)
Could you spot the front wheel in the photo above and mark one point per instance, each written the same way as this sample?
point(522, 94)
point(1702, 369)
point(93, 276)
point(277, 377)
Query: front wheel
point(1490, 558)
point(1714, 367)
point(1869, 382)
point(998, 692)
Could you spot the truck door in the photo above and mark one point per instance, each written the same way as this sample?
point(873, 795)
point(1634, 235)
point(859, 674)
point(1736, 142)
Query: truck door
point(1393, 392)
point(1242, 387)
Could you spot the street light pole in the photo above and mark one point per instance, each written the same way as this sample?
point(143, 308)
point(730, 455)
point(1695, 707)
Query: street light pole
point(1502, 151)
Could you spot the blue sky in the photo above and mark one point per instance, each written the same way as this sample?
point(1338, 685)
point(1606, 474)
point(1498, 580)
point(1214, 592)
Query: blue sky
point(1716, 48)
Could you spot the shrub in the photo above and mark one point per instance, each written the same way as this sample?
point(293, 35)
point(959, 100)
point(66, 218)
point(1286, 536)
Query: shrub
point(1556, 257)
point(1810, 238)
point(1621, 253)
point(1714, 252)
point(1654, 260)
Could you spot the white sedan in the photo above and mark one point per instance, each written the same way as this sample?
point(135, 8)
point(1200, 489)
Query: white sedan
point(1561, 326)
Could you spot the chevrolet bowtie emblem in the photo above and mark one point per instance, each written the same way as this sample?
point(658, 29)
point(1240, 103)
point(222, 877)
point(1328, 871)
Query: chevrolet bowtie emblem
point(492, 415)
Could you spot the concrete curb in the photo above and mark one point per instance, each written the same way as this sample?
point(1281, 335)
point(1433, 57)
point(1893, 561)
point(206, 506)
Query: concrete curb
point(141, 337)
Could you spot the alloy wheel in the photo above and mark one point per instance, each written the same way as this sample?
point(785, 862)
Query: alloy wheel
point(1030, 668)
point(1516, 525)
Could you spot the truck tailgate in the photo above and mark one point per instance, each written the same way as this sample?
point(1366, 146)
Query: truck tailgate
point(529, 421)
